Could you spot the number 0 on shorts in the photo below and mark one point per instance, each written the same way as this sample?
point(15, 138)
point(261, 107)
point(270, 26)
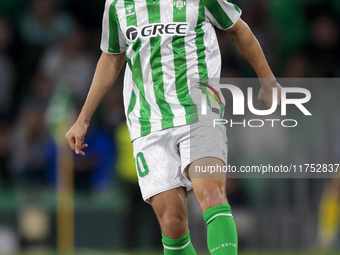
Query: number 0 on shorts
point(142, 168)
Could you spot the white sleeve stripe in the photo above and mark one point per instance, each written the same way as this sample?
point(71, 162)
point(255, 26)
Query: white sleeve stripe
point(105, 30)
point(122, 40)
point(105, 41)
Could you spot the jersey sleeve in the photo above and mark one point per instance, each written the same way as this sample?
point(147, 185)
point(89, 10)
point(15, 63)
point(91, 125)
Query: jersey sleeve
point(113, 40)
point(222, 13)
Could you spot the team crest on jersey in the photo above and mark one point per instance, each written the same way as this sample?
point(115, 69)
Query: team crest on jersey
point(180, 4)
point(129, 10)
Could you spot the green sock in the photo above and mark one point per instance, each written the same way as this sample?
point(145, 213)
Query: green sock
point(180, 246)
point(222, 234)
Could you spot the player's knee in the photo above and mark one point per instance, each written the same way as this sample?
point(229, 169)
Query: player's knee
point(174, 225)
point(173, 222)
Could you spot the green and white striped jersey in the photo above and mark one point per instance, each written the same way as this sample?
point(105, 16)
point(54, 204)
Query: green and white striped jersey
point(167, 43)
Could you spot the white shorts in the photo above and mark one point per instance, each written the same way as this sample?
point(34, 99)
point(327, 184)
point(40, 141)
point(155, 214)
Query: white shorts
point(162, 156)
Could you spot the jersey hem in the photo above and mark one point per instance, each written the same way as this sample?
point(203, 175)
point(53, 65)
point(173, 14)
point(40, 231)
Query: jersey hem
point(195, 118)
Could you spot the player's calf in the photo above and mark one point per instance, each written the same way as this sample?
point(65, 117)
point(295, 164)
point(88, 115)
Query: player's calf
point(210, 193)
point(222, 234)
point(171, 210)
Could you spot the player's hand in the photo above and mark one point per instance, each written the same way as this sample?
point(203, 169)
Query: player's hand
point(266, 93)
point(76, 136)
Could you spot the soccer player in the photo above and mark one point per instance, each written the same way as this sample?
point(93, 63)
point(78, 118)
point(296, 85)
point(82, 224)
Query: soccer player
point(166, 44)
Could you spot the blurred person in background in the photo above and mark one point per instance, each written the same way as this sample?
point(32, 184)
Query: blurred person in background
point(256, 15)
point(112, 109)
point(42, 25)
point(290, 21)
point(141, 222)
point(329, 207)
point(69, 64)
point(10, 8)
point(237, 196)
point(324, 51)
point(329, 215)
point(6, 176)
point(29, 143)
point(95, 172)
point(40, 89)
point(6, 70)
point(298, 66)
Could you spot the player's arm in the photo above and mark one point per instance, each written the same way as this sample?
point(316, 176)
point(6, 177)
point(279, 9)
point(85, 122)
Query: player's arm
point(108, 68)
point(250, 48)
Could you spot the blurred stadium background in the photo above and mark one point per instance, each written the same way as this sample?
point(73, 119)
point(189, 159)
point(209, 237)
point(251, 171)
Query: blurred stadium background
point(48, 53)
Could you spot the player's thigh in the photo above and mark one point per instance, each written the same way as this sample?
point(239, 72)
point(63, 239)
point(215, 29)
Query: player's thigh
point(171, 210)
point(210, 190)
point(204, 154)
point(158, 164)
